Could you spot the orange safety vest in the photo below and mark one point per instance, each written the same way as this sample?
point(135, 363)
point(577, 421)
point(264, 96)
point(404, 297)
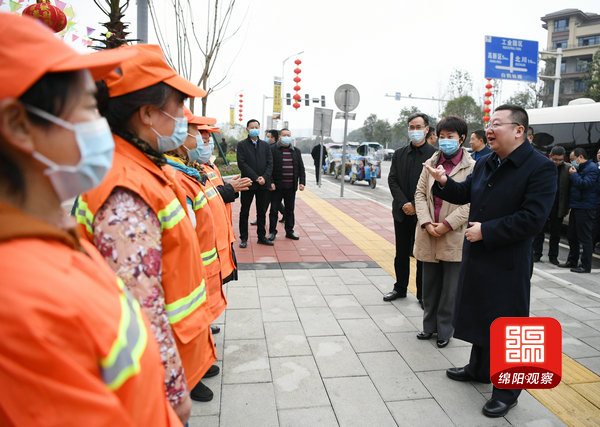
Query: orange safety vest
point(183, 275)
point(205, 230)
point(76, 348)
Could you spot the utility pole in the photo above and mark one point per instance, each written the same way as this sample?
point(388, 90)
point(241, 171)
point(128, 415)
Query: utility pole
point(556, 76)
point(142, 21)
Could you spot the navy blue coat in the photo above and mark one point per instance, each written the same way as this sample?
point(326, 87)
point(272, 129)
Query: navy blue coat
point(512, 202)
point(584, 186)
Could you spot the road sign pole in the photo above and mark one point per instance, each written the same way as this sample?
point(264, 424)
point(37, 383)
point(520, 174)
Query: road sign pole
point(344, 143)
point(320, 172)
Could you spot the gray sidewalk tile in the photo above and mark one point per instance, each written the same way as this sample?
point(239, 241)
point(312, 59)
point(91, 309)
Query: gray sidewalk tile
point(286, 339)
point(345, 307)
point(323, 272)
point(245, 297)
point(592, 363)
point(245, 361)
point(392, 377)
point(278, 309)
point(303, 417)
point(389, 318)
point(529, 411)
point(355, 277)
point(368, 272)
point(582, 300)
point(335, 357)
point(460, 400)
point(204, 421)
point(307, 296)
point(244, 324)
point(244, 280)
point(248, 405)
point(420, 355)
point(409, 306)
point(575, 348)
point(219, 341)
point(266, 273)
point(298, 277)
point(214, 406)
point(357, 403)
point(297, 383)
point(573, 310)
point(319, 321)
point(419, 413)
point(458, 356)
point(332, 286)
point(593, 323)
point(273, 287)
point(364, 335)
point(592, 341)
point(367, 294)
point(569, 325)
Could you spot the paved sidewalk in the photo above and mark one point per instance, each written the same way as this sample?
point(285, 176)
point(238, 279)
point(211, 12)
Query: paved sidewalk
point(307, 340)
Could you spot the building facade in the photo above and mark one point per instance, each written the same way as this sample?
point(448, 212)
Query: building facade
point(578, 34)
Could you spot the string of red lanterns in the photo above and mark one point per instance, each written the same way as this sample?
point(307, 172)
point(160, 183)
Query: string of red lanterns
point(297, 88)
point(49, 14)
point(487, 101)
point(241, 105)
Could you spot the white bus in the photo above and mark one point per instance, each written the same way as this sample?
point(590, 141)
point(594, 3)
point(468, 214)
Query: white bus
point(571, 126)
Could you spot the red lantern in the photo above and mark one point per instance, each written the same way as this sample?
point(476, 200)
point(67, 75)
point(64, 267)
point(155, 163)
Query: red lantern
point(487, 102)
point(241, 95)
point(297, 79)
point(241, 105)
point(297, 62)
point(296, 105)
point(297, 71)
point(488, 94)
point(297, 88)
point(50, 15)
point(486, 118)
point(487, 110)
point(297, 97)
point(488, 86)
point(241, 110)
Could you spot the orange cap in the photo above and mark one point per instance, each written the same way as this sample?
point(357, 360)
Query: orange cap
point(29, 50)
point(198, 120)
point(147, 68)
point(208, 128)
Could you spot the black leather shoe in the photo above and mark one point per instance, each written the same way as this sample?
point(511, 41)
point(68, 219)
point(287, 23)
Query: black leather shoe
point(292, 236)
point(460, 374)
point(424, 335)
point(442, 343)
point(201, 393)
point(212, 371)
point(271, 236)
point(215, 329)
point(580, 270)
point(254, 223)
point(567, 265)
point(391, 296)
point(421, 304)
point(264, 241)
point(494, 408)
point(554, 261)
point(243, 244)
point(537, 258)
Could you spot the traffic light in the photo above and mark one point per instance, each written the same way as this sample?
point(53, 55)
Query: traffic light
point(288, 99)
point(306, 99)
point(322, 100)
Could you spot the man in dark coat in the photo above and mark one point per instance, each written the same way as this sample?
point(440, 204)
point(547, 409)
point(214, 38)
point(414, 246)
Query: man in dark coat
point(560, 208)
point(316, 153)
point(407, 164)
point(288, 176)
point(255, 162)
point(511, 193)
point(583, 203)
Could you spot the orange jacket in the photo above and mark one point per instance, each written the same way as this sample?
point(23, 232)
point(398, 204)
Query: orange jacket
point(183, 275)
point(63, 359)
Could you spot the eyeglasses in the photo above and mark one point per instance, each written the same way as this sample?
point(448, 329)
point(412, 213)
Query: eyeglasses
point(419, 127)
point(496, 125)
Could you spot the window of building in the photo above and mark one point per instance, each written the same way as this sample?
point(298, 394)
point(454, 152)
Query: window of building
point(578, 86)
point(563, 67)
point(582, 64)
point(589, 40)
point(559, 43)
point(561, 24)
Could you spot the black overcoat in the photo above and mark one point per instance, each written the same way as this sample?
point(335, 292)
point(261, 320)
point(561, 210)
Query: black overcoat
point(512, 202)
point(255, 161)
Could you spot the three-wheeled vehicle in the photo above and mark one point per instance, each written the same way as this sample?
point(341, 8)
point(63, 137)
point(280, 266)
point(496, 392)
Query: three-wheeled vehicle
point(366, 165)
point(334, 157)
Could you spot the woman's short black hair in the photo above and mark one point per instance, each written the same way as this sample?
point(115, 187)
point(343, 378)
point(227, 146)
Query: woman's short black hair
point(453, 124)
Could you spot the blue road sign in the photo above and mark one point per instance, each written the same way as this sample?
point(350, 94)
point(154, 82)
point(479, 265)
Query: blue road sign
point(511, 59)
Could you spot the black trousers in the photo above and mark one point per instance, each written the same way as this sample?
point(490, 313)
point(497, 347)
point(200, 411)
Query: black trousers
point(281, 207)
point(405, 239)
point(479, 368)
point(317, 172)
point(261, 208)
point(581, 222)
point(554, 222)
point(288, 195)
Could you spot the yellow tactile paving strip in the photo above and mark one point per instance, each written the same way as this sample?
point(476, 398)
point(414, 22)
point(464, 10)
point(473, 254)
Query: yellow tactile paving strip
point(576, 400)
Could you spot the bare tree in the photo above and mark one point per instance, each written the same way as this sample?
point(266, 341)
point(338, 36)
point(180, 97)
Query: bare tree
point(116, 34)
point(190, 40)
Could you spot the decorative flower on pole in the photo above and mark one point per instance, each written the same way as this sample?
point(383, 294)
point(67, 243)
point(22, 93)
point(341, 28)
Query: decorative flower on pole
point(49, 14)
point(487, 101)
point(241, 105)
point(297, 88)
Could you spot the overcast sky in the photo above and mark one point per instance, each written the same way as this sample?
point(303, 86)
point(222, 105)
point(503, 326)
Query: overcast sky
point(379, 46)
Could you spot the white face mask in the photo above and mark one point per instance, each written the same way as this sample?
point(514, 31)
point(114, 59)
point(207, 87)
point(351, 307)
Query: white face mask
point(176, 139)
point(96, 148)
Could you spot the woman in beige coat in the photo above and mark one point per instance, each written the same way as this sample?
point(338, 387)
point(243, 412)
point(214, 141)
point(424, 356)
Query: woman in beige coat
point(440, 231)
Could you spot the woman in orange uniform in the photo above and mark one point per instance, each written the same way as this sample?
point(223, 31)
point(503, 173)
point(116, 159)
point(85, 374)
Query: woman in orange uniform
point(136, 217)
point(76, 349)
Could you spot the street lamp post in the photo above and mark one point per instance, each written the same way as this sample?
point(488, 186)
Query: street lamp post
point(282, 87)
point(556, 76)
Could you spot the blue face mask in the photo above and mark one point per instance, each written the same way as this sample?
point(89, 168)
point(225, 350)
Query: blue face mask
point(177, 138)
point(448, 146)
point(96, 148)
point(194, 155)
point(416, 135)
point(286, 140)
point(254, 133)
point(205, 154)
point(574, 163)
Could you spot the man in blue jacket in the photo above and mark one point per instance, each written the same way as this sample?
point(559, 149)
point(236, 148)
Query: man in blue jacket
point(583, 201)
point(511, 193)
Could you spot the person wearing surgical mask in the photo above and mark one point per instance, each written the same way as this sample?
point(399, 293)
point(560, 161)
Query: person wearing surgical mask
point(440, 231)
point(405, 170)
